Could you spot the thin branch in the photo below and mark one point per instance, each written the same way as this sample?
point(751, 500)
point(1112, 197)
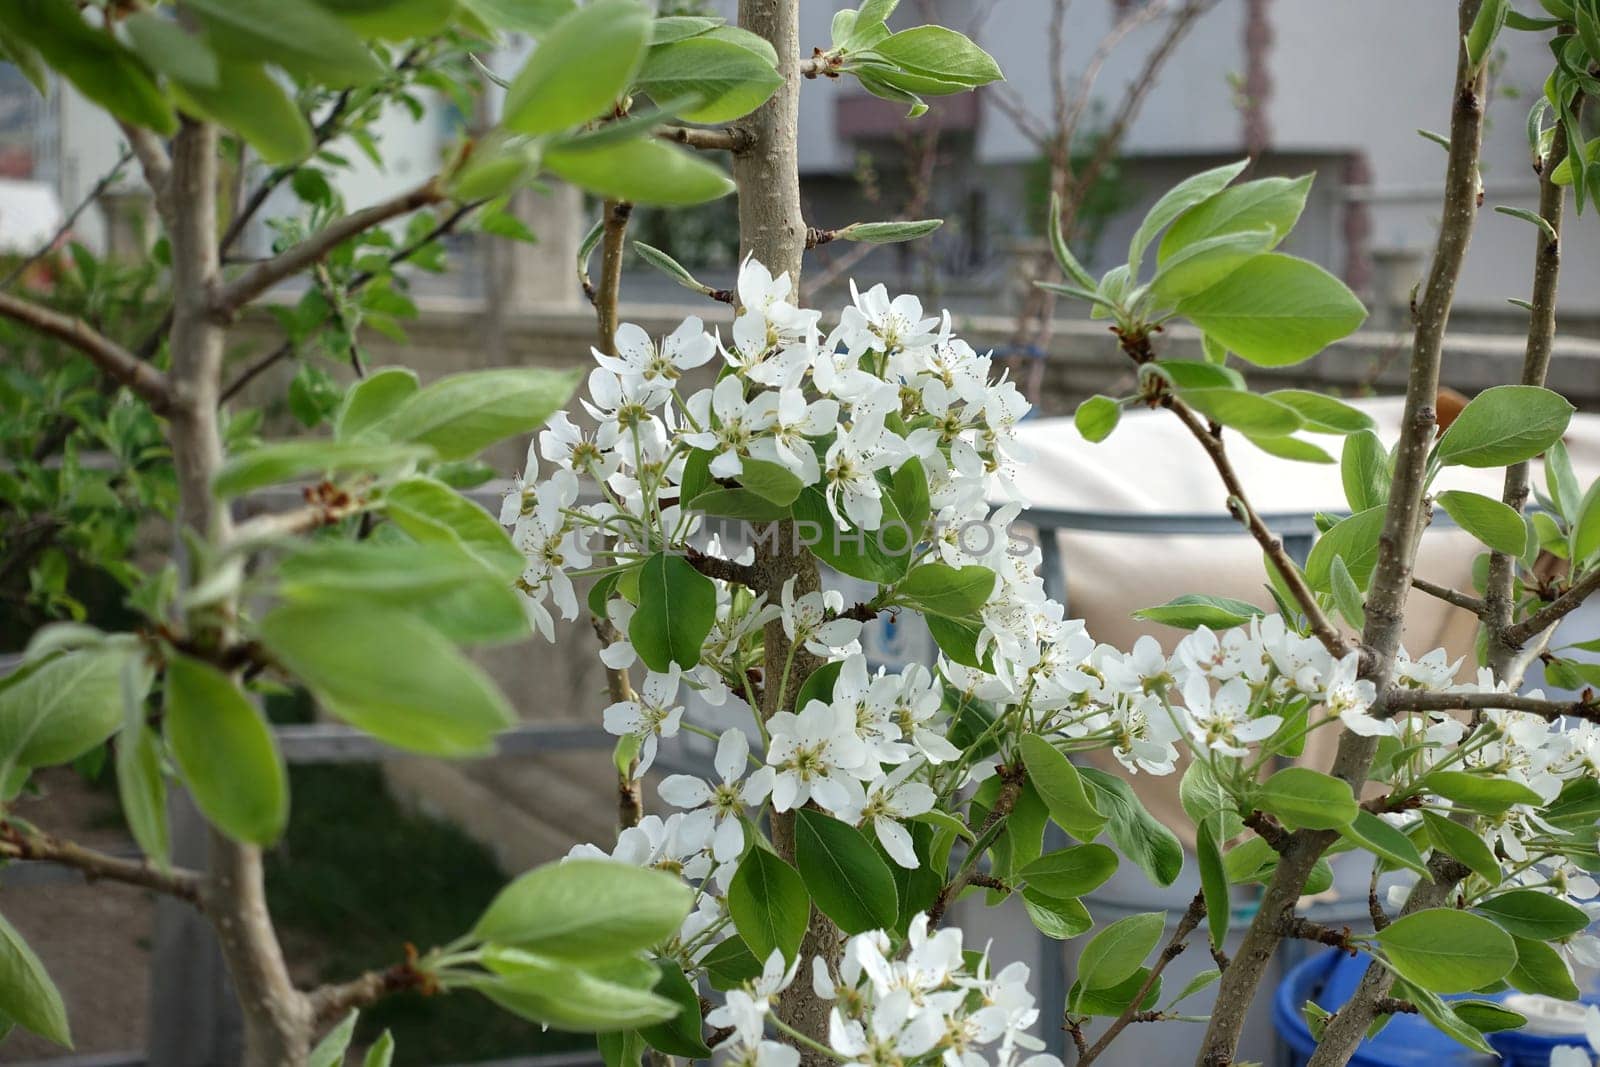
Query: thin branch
point(1269, 830)
point(443, 228)
point(717, 567)
point(1239, 504)
point(332, 1002)
point(1396, 545)
point(70, 221)
point(615, 214)
point(1505, 640)
point(1011, 779)
point(263, 276)
point(1175, 946)
point(1400, 700)
point(117, 362)
point(726, 139)
point(153, 160)
point(1553, 612)
point(1462, 600)
point(26, 844)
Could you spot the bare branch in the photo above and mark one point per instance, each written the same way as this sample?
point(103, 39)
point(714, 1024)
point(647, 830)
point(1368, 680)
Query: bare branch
point(117, 362)
point(1504, 639)
point(153, 160)
point(258, 279)
point(70, 221)
point(19, 843)
point(615, 215)
point(727, 139)
point(332, 1002)
point(1450, 596)
point(725, 569)
point(1553, 612)
point(1400, 700)
point(1239, 504)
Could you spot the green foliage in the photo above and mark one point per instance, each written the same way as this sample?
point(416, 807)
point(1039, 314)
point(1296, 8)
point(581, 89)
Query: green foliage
point(677, 608)
point(845, 876)
point(27, 994)
point(1447, 951)
point(586, 910)
point(769, 904)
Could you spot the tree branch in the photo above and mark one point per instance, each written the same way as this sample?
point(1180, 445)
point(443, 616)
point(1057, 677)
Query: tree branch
point(332, 1002)
point(1553, 612)
point(263, 276)
point(717, 567)
point(1400, 700)
point(1505, 641)
point(26, 844)
point(1175, 946)
point(71, 220)
point(444, 227)
point(1448, 595)
point(1239, 504)
point(726, 139)
point(1396, 544)
point(153, 161)
point(614, 215)
point(149, 384)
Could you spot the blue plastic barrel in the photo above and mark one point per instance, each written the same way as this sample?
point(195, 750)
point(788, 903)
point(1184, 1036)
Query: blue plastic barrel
point(1408, 1041)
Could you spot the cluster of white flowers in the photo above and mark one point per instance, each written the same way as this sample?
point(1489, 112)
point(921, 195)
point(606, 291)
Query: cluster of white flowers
point(924, 1001)
point(888, 386)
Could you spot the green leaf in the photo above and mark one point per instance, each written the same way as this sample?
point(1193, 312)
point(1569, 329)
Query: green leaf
point(1302, 797)
point(296, 35)
point(463, 414)
point(1541, 969)
point(772, 482)
point(738, 504)
point(1200, 981)
point(1504, 424)
point(1214, 884)
point(27, 995)
point(1201, 265)
point(1492, 796)
point(1070, 872)
point(331, 1049)
point(677, 608)
point(1496, 525)
point(1195, 374)
point(1322, 413)
point(1141, 836)
point(582, 66)
point(284, 461)
point(452, 590)
point(939, 53)
point(1276, 310)
point(887, 233)
point(1117, 952)
point(1116, 999)
point(845, 876)
point(91, 59)
point(731, 963)
point(381, 1052)
point(250, 102)
point(671, 268)
point(169, 48)
point(1179, 199)
point(1442, 1015)
point(1271, 203)
point(723, 80)
point(1061, 788)
point(1064, 257)
point(1353, 539)
point(641, 172)
point(680, 1035)
point(1485, 27)
point(1061, 918)
point(607, 998)
point(1533, 914)
point(1562, 481)
point(1346, 594)
point(142, 790)
point(1487, 1016)
point(1097, 417)
point(1364, 469)
point(1192, 610)
point(958, 640)
point(1291, 448)
point(1461, 843)
point(431, 512)
point(393, 20)
point(1586, 531)
point(225, 752)
point(54, 711)
point(767, 899)
point(1448, 951)
point(940, 589)
point(533, 17)
point(1249, 413)
point(1369, 832)
point(909, 491)
point(388, 673)
point(857, 553)
point(586, 909)
point(372, 399)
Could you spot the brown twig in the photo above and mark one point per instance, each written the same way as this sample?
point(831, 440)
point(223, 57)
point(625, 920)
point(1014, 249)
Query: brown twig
point(1305, 930)
point(1011, 781)
point(1269, 830)
point(726, 139)
point(1132, 1013)
point(19, 843)
point(264, 275)
point(332, 1002)
point(724, 569)
point(1428, 700)
point(148, 383)
point(1461, 600)
point(1520, 633)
